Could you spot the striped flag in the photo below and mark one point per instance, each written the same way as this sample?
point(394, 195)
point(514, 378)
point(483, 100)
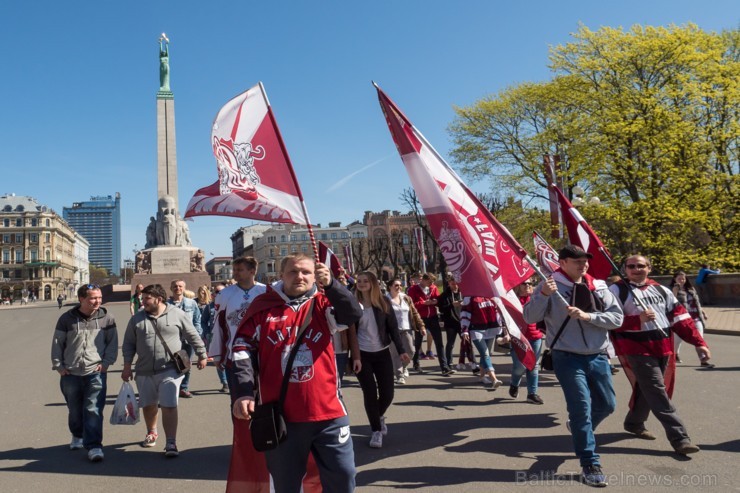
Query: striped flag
point(547, 257)
point(329, 258)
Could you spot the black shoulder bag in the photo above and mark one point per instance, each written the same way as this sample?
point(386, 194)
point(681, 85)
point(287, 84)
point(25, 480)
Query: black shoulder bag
point(267, 425)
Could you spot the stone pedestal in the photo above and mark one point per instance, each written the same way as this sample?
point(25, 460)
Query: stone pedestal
point(164, 264)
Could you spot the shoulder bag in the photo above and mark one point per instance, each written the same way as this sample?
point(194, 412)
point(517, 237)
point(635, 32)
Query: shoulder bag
point(267, 425)
point(546, 361)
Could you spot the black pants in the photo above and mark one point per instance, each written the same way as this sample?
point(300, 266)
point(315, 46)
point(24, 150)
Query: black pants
point(376, 381)
point(435, 330)
point(451, 330)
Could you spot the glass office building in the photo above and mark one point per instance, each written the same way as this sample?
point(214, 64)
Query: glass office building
point(99, 221)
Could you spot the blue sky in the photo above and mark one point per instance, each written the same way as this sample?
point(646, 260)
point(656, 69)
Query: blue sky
point(79, 79)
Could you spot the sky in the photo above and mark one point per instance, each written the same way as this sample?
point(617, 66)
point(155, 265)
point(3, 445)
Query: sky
point(79, 79)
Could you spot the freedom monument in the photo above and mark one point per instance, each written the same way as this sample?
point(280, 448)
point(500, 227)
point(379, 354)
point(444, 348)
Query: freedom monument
point(168, 253)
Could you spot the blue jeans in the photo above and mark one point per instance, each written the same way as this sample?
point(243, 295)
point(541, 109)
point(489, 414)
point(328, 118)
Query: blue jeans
point(484, 349)
point(85, 397)
point(518, 369)
point(186, 381)
point(586, 380)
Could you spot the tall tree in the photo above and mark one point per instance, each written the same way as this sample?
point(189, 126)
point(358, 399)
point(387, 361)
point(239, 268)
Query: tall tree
point(647, 119)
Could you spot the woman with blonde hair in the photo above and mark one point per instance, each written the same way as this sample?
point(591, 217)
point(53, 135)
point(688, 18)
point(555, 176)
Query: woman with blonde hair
point(409, 323)
point(376, 330)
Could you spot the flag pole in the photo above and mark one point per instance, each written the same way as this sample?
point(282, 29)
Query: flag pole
point(292, 172)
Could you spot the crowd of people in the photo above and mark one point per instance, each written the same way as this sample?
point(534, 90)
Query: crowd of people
point(359, 324)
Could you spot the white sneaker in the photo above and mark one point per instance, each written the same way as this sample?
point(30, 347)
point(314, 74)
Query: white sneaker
point(401, 381)
point(95, 455)
point(376, 441)
point(406, 373)
point(459, 366)
point(383, 427)
point(75, 444)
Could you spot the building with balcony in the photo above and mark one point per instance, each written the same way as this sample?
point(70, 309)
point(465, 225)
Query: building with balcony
point(37, 251)
point(243, 238)
point(99, 221)
point(220, 270)
point(283, 239)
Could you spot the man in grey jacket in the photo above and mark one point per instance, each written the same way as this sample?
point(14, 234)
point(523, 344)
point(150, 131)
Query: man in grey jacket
point(157, 380)
point(85, 344)
point(579, 355)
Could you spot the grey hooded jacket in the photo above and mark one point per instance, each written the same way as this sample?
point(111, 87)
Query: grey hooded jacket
point(141, 340)
point(82, 343)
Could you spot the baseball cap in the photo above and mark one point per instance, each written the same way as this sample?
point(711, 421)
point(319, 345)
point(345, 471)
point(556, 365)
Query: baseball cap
point(573, 251)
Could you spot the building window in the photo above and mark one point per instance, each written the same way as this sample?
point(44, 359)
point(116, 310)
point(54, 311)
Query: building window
point(293, 238)
point(47, 237)
point(406, 239)
point(6, 223)
point(304, 248)
point(48, 255)
point(19, 223)
point(345, 235)
point(323, 236)
point(6, 256)
point(283, 252)
point(333, 236)
point(283, 238)
point(19, 256)
point(270, 239)
point(6, 238)
point(272, 253)
point(34, 238)
point(304, 237)
point(34, 222)
point(294, 249)
point(19, 238)
point(48, 223)
point(34, 256)
point(18, 274)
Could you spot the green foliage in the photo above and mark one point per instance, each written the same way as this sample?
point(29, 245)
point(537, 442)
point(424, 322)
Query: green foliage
point(648, 120)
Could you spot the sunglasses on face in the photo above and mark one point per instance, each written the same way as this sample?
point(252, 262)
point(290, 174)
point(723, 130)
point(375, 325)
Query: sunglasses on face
point(636, 266)
point(93, 286)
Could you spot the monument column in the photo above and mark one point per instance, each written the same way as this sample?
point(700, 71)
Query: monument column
point(166, 153)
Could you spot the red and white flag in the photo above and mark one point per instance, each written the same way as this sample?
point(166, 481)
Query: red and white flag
point(255, 177)
point(581, 234)
point(349, 259)
point(480, 252)
point(330, 259)
point(547, 257)
point(419, 237)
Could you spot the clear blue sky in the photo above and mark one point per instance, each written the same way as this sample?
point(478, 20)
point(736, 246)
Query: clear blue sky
point(79, 79)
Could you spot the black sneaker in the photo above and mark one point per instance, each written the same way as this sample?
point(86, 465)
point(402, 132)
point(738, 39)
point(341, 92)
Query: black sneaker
point(514, 391)
point(170, 450)
point(534, 399)
point(446, 372)
point(593, 476)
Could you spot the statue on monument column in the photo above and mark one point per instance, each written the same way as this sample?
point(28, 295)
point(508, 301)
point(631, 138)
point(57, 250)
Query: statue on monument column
point(164, 63)
point(151, 233)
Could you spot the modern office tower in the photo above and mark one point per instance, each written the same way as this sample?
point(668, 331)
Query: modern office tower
point(99, 221)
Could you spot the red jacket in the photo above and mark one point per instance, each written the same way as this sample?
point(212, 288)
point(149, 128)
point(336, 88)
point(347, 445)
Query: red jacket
point(416, 293)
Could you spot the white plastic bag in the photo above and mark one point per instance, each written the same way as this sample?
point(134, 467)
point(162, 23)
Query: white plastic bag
point(126, 408)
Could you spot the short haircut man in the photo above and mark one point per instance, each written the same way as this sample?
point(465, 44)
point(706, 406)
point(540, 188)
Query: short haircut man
point(315, 415)
point(189, 305)
point(644, 344)
point(157, 379)
point(84, 345)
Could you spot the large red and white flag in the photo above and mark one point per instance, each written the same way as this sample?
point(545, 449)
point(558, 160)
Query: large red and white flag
point(479, 251)
point(419, 237)
point(581, 234)
point(547, 257)
point(255, 177)
point(330, 259)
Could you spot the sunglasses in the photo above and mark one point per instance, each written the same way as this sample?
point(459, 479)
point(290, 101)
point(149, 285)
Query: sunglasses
point(636, 266)
point(92, 286)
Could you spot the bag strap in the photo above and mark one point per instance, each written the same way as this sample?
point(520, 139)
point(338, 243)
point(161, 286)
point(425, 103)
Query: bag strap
point(293, 352)
point(159, 334)
point(560, 331)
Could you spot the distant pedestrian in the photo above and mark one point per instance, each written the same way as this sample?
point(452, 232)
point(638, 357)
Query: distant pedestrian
point(60, 301)
point(534, 335)
point(686, 295)
point(85, 344)
point(189, 306)
point(701, 283)
point(135, 301)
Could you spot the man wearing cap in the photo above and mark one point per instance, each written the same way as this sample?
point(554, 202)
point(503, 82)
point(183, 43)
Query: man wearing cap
point(579, 310)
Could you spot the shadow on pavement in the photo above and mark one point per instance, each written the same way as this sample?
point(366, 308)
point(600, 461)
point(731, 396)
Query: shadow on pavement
point(197, 464)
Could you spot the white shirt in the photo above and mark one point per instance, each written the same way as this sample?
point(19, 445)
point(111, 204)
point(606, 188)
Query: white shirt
point(233, 301)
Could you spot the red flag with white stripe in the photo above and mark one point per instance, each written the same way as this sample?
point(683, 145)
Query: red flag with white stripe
point(255, 177)
point(330, 259)
point(350, 261)
point(581, 234)
point(479, 251)
point(547, 257)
